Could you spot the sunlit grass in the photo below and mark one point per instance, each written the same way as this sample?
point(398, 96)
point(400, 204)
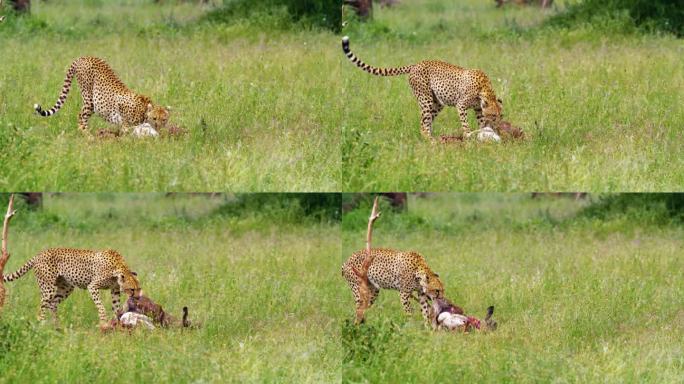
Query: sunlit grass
point(256, 104)
point(601, 113)
point(263, 314)
point(573, 304)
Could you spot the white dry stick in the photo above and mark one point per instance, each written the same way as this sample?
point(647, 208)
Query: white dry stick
point(4, 256)
point(5, 229)
point(362, 275)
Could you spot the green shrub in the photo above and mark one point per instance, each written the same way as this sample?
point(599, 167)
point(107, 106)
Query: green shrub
point(17, 338)
point(321, 13)
point(285, 207)
point(366, 342)
point(644, 208)
point(651, 15)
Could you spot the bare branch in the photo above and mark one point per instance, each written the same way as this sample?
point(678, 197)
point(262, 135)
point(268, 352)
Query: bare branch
point(4, 256)
point(5, 229)
point(362, 275)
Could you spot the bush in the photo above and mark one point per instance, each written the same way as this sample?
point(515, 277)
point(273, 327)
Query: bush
point(645, 208)
point(652, 15)
point(322, 13)
point(17, 337)
point(362, 343)
point(285, 207)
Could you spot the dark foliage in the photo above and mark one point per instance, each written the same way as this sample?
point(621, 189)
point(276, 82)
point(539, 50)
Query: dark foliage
point(286, 206)
point(322, 13)
point(655, 208)
point(364, 342)
point(661, 15)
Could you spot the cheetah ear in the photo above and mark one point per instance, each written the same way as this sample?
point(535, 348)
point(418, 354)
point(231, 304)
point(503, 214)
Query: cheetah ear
point(483, 103)
point(500, 102)
point(149, 107)
point(435, 275)
point(134, 273)
point(168, 108)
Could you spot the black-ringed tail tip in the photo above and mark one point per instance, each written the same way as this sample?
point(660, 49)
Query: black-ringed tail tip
point(40, 111)
point(345, 44)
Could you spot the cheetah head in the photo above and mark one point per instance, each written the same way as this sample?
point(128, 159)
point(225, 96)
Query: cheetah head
point(157, 116)
point(430, 285)
point(492, 111)
point(128, 282)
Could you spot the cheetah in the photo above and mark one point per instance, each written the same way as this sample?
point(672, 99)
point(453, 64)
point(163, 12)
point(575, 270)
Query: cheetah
point(59, 270)
point(403, 271)
point(103, 93)
point(436, 84)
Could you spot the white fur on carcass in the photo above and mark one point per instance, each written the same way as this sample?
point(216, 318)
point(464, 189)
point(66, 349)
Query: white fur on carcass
point(451, 320)
point(133, 319)
point(144, 130)
point(488, 134)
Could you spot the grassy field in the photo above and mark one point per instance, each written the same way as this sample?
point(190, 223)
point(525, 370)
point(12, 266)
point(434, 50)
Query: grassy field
point(275, 107)
point(602, 109)
point(264, 317)
point(577, 299)
point(256, 101)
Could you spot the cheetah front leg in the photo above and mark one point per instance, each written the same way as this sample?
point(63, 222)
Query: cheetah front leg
point(425, 308)
point(406, 301)
point(480, 117)
point(116, 299)
point(125, 129)
point(95, 295)
point(463, 115)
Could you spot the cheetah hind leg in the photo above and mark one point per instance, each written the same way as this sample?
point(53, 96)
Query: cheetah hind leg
point(47, 293)
point(83, 117)
point(63, 291)
point(429, 107)
point(374, 294)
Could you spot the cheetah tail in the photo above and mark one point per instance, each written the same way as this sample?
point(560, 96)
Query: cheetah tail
point(21, 272)
point(370, 69)
point(62, 96)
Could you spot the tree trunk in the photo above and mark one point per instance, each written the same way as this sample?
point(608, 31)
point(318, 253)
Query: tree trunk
point(388, 3)
point(34, 200)
point(398, 200)
point(21, 6)
point(363, 8)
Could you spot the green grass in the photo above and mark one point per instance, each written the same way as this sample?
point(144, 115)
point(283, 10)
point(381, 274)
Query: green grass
point(264, 316)
point(601, 105)
point(273, 106)
point(577, 299)
point(256, 101)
